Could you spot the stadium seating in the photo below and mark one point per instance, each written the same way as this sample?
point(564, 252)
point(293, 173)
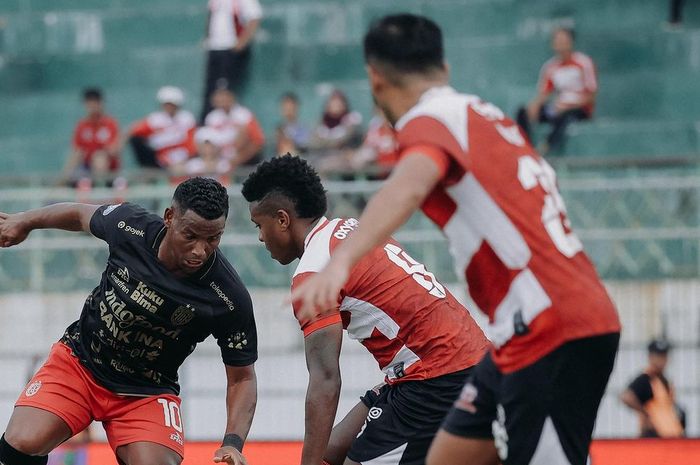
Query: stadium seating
point(50, 49)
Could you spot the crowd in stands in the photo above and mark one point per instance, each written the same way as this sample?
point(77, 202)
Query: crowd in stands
point(227, 137)
point(168, 141)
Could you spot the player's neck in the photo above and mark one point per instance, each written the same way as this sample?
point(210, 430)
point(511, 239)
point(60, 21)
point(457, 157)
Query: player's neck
point(305, 228)
point(408, 96)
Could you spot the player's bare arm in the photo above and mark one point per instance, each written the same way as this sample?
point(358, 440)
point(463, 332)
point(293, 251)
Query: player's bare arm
point(14, 228)
point(402, 194)
point(322, 360)
point(241, 398)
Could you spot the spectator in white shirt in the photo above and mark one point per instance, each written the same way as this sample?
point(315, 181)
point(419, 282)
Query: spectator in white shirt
point(231, 26)
point(239, 134)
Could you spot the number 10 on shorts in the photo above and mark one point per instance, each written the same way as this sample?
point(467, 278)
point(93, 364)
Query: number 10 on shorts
point(171, 413)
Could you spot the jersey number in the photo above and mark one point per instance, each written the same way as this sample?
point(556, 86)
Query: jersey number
point(532, 173)
point(171, 412)
point(417, 270)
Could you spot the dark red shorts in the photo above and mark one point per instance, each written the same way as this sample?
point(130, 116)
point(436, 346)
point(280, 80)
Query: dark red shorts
point(65, 388)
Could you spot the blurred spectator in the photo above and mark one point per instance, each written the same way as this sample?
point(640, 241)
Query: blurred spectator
point(651, 396)
point(164, 138)
point(209, 161)
point(380, 148)
point(231, 26)
point(95, 151)
point(239, 135)
point(291, 136)
point(571, 77)
point(675, 14)
point(340, 127)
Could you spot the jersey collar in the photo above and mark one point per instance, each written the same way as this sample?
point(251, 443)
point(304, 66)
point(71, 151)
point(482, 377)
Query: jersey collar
point(319, 225)
point(433, 92)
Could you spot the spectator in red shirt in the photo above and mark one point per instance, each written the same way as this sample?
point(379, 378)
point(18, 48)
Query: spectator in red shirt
point(95, 151)
point(164, 138)
point(570, 78)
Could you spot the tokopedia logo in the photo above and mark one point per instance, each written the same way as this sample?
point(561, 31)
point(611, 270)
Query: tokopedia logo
point(222, 296)
point(129, 229)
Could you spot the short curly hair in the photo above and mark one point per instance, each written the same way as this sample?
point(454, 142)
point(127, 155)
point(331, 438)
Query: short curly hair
point(291, 177)
point(204, 196)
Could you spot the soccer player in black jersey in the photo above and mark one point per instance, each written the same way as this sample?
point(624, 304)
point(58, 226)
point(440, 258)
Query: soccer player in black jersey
point(166, 288)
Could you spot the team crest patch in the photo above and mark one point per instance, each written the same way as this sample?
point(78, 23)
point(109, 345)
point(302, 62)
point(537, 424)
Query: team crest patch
point(182, 315)
point(33, 389)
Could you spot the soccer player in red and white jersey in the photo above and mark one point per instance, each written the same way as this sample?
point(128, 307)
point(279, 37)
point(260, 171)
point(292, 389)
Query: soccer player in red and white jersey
point(95, 151)
point(164, 138)
point(240, 135)
point(421, 337)
point(555, 331)
point(569, 77)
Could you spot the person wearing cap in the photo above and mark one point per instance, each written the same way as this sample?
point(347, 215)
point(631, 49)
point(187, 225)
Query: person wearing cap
point(651, 396)
point(164, 138)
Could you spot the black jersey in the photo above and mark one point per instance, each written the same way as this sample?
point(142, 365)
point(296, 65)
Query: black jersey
point(138, 326)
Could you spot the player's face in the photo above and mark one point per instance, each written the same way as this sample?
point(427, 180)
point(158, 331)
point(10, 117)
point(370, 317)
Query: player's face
point(274, 232)
point(191, 239)
point(658, 361)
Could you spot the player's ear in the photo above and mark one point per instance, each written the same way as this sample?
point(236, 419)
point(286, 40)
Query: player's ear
point(168, 216)
point(283, 219)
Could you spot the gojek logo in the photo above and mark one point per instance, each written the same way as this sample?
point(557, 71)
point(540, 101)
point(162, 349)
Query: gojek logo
point(129, 229)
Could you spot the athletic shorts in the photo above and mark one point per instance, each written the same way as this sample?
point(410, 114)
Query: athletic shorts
point(403, 419)
point(542, 414)
point(65, 388)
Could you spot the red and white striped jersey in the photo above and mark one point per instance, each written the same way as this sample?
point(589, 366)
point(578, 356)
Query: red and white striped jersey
point(397, 309)
point(570, 79)
point(229, 125)
point(172, 137)
point(508, 232)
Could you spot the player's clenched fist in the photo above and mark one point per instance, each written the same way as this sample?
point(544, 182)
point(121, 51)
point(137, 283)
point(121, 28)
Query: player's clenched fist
point(13, 229)
point(230, 456)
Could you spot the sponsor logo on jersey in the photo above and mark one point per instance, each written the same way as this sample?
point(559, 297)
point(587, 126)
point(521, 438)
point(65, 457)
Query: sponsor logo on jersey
point(177, 438)
point(123, 273)
point(110, 209)
point(182, 315)
point(33, 388)
point(346, 228)
point(222, 296)
point(374, 413)
point(129, 229)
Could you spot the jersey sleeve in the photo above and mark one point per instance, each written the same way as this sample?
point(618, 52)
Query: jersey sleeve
point(109, 221)
point(320, 321)
point(641, 388)
point(430, 137)
point(436, 154)
point(235, 330)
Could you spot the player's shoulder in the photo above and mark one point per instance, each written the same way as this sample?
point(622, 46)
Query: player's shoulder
point(582, 58)
point(320, 242)
point(443, 104)
point(158, 119)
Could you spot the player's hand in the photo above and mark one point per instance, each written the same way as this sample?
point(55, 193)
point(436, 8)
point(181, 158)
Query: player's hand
point(13, 229)
point(229, 455)
point(320, 292)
